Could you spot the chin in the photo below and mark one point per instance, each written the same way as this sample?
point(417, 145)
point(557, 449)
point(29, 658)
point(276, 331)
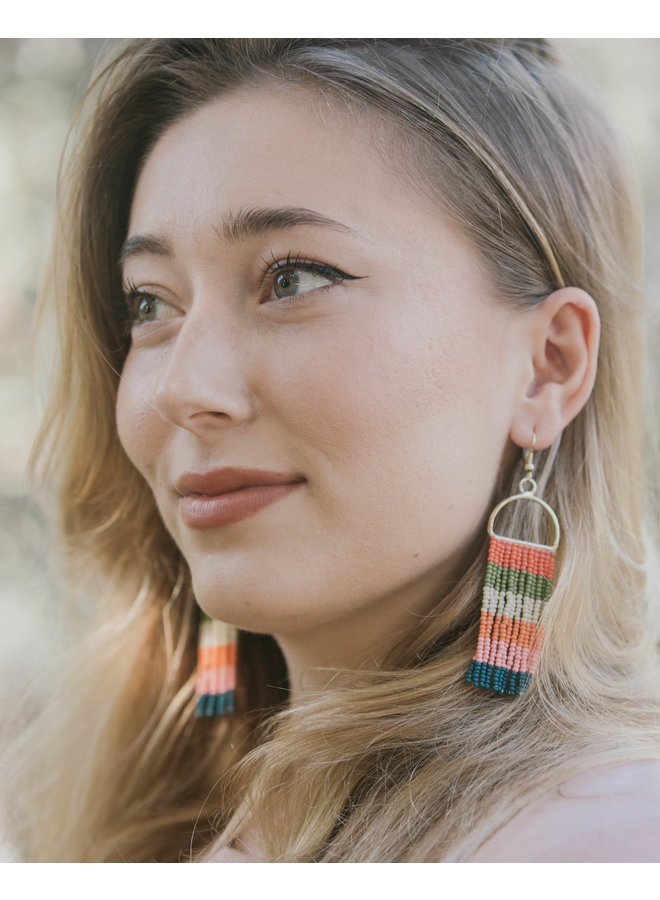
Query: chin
point(254, 604)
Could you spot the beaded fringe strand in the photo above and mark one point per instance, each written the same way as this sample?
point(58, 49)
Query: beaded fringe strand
point(216, 667)
point(517, 585)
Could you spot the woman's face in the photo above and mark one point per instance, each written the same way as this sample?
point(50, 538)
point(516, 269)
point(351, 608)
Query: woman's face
point(303, 314)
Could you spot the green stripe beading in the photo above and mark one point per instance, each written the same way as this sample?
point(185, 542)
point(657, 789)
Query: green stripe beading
point(517, 581)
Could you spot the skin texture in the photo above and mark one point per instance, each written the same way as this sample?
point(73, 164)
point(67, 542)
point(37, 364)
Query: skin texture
point(395, 394)
point(609, 815)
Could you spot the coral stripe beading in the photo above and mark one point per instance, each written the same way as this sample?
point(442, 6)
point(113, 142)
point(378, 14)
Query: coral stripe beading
point(517, 585)
point(216, 667)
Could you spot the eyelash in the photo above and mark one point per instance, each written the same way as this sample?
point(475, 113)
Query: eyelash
point(273, 265)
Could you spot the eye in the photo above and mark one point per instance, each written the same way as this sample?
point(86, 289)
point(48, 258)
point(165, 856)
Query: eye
point(292, 281)
point(286, 279)
point(144, 307)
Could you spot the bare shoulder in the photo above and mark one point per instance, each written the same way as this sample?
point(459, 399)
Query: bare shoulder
point(611, 814)
point(227, 855)
point(244, 850)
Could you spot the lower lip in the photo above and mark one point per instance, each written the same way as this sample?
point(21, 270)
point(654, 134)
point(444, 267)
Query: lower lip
point(199, 511)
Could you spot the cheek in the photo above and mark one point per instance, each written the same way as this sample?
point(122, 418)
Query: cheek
point(388, 412)
point(382, 385)
point(138, 427)
point(411, 419)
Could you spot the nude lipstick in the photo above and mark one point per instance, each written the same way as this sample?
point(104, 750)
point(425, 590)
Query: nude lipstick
point(222, 496)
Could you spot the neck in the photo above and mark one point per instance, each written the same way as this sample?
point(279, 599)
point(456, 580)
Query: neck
point(358, 640)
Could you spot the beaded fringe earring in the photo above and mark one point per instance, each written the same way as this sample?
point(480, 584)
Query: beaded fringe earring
point(517, 585)
point(216, 667)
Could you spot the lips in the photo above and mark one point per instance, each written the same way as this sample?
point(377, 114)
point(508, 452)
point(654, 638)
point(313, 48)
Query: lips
point(223, 496)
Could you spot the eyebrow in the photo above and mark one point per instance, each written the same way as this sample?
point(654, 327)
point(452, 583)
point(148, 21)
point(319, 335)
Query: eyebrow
point(248, 223)
point(143, 244)
point(236, 227)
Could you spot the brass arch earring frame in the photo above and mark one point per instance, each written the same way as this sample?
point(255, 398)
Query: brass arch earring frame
point(517, 586)
point(542, 503)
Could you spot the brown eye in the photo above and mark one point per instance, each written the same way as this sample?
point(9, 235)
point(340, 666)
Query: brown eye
point(146, 310)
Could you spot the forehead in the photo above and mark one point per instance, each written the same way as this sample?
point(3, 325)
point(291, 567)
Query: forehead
point(263, 145)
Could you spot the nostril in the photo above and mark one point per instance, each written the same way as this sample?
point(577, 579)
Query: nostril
point(200, 399)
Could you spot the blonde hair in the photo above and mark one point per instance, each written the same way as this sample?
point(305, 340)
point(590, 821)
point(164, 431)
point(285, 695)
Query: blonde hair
point(406, 763)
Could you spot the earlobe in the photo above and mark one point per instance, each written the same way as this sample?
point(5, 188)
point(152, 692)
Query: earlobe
point(564, 333)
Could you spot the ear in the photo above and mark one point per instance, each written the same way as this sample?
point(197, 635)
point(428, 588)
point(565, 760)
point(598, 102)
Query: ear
point(563, 333)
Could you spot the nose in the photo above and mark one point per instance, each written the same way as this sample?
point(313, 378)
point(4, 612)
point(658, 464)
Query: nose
point(203, 384)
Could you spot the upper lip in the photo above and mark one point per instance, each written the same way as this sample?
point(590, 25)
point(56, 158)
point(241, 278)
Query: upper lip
point(222, 481)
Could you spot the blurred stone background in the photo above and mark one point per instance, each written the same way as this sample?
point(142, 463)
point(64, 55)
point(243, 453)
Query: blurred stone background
point(41, 81)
